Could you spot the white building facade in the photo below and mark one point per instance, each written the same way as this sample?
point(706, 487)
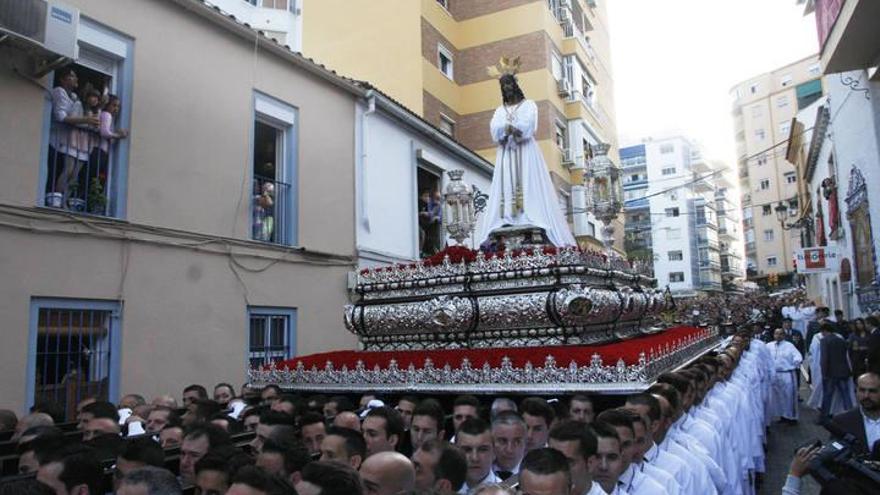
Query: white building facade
point(684, 226)
point(400, 156)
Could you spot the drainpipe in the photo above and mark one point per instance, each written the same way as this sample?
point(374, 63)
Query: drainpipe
point(371, 108)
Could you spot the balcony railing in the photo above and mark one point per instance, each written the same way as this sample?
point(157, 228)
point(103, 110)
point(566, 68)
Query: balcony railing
point(750, 246)
point(704, 241)
point(80, 170)
point(269, 210)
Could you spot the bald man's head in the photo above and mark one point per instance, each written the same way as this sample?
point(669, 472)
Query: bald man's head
point(165, 401)
point(31, 420)
point(388, 473)
point(100, 426)
point(347, 419)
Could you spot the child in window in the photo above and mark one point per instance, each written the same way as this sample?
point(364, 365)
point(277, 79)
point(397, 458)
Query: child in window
point(264, 208)
point(99, 159)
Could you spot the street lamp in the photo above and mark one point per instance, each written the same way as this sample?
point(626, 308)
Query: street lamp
point(782, 214)
point(458, 203)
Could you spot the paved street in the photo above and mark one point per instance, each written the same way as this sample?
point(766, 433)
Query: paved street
point(783, 440)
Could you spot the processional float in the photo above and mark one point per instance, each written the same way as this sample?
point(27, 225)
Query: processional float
point(519, 317)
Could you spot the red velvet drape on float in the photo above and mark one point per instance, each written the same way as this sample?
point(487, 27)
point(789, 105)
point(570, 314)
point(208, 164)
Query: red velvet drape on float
point(628, 350)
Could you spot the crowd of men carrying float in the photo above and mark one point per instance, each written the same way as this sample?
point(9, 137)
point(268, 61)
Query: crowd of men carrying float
point(699, 430)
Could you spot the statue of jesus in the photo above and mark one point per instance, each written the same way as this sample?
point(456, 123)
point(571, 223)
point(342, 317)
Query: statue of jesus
point(522, 193)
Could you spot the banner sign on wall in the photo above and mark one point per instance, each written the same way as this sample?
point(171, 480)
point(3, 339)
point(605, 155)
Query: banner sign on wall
point(816, 260)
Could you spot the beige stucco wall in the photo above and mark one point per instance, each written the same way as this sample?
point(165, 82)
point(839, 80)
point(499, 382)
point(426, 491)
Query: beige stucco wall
point(184, 315)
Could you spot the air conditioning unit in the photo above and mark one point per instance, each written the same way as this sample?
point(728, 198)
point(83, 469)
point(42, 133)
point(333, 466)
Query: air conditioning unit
point(567, 156)
point(45, 30)
point(564, 87)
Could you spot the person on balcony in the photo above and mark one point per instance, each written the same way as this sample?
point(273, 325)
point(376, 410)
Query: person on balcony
point(264, 208)
point(100, 155)
point(522, 193)
point(68, 147)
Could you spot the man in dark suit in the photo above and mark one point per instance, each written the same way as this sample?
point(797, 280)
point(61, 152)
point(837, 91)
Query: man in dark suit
point(842, 324)
point(836, 372)
point(873, 324)
point(863, 422)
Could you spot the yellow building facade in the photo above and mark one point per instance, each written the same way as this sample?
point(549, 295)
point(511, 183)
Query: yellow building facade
point(763, 109)
point(432, 55)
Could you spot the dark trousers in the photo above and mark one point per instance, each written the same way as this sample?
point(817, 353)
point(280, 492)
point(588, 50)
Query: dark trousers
point(832, 386)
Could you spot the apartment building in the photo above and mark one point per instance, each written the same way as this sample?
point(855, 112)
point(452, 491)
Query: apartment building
point(637, 208)
point(728, 211)
point(432, 56)
point(763, 109)
point(219, 231)
point(677, 202)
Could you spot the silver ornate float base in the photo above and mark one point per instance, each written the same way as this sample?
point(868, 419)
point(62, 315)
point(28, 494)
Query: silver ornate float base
point(535, 298)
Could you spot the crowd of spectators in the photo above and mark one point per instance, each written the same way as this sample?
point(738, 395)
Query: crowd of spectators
point(697, 431)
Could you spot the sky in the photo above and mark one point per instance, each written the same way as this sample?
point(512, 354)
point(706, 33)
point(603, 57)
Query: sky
point(675, 61)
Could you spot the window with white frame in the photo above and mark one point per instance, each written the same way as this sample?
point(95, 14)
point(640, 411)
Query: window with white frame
point(784, 128)
point(760, 134)
point(561, 136)
point(271, 335)
point(765, 184)
point(667, 148)
point(676, 277)
point(762, 159)
point(768, 235)
point(772, 261)
point(782, 101)
point(84, 171)
point(273, 203)
point(73, 351)
point(668, 171)
point(565, 203)
point(675, 255)
point(766, 210)
point(588, 88)
point(444, 61)
point(556, 66)
point(672, 212)
point(447, 125)
point(790, 178)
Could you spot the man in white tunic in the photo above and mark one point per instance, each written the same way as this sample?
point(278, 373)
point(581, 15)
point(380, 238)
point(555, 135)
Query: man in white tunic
point(521, 193)
point(787, 362)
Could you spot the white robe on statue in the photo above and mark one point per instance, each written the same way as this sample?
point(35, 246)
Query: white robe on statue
point(783, 396)
point(520, 173)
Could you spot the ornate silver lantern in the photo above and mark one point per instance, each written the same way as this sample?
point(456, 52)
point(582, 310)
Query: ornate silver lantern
point(458, 211)
point(604, 192)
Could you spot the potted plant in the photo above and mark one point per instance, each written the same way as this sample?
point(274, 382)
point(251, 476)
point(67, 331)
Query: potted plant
point(55, 200)
point(74, 202)
point(97, 202)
